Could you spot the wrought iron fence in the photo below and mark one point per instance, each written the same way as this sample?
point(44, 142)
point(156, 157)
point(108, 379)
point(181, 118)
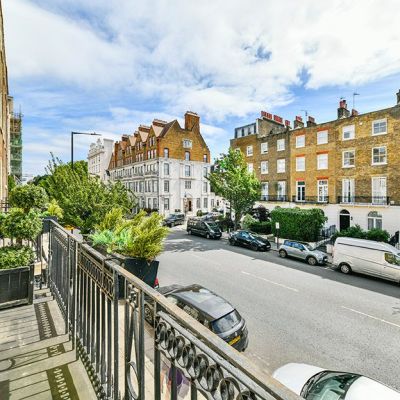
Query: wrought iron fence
point(104, 309)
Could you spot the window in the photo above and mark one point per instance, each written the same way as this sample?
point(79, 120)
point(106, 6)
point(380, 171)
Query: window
point(348, 191)
point(212, 203)
point(205, 158)
point(264, 148)
point(166, 169)
point(322, 190)
point(280, 144)
point(264, 167)
point(205, 202)
point(187, 170)
point(166, 186)
point(187, 155)
point(348, 158)
point(322, 137)
point(205, 171)
point(281, 165)
point(166, 152)
point(198, 203)
point(374, 220)
point(322, 161)
point(300, 141)
point(379, 156)
point(281, 190)
point(187, 144)
point(300, 191)
point(155, 204)
point(249, 151)
point(300, 163)
point(166, 203)
point(188, 184)
point(205, 187)
point(379, 127)
point(264, 191)
point(348, 132)
point(250, 167)
point(392, 258)
point(379, 190)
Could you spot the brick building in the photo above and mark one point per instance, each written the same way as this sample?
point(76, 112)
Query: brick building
point(165, 166)
point(348, 167)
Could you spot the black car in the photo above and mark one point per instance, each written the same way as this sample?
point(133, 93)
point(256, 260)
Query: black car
point(247, 239)
point(174, 219)
point(203, 227)
point(211, 310)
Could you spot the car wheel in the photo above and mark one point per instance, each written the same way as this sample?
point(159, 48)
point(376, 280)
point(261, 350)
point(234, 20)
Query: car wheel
point(148, 314)
point(312, 261)
point(189, 232)
point(254, 247)
point(231, 242)
point(282, 253)
point(207, 236)
point(345, 268)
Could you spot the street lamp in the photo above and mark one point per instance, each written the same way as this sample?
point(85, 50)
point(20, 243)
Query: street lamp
point(72, 142)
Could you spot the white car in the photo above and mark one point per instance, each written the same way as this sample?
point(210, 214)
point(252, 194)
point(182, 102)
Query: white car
point(315, 383)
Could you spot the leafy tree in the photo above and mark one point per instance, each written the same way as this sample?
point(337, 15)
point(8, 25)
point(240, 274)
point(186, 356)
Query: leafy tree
point(21, 225)
point(84, 199)
point(29, 196)
point(11, 183)
point(232, 180)
point(16, 256)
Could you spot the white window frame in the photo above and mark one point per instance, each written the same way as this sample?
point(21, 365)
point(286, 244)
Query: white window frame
point(187, 144)
point(264, 189)
point(322, 190)
point(374, 220)
point(348, 151)
point(250, 167)
point(319, 161)
point(301, 143)
point(249, 151)
point(302, 166)
point(281, 161)
point(351, 129)
point(280, 145)
point(302, 192)
point(379, 121)
point(322, 139)
point(166, 169)
point(379, 162)
point(264, 167)
point(188, 185)
point(188, 170)
point(264, 148)
point(281, 190)
point(379, 197)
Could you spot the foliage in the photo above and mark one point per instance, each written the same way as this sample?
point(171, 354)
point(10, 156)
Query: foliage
point(84, 199)
point(2, 218)
point(261, 227)
point(11, 183)
point(247, 221)
point(21, 225)
point(378, 235)
point(298, 224)
point(232, 180)
point(111, 220)
point(53, 210)
point(199, 213)
point(16, 256)
point(225, 223)
point(261, 213)
point(28, 196)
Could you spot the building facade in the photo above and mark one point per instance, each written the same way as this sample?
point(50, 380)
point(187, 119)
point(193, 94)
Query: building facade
point(99, 157)
point(348, 167)
point(15, 143)
point(166, 166)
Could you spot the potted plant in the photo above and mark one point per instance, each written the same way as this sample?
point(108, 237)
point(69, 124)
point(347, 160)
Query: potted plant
point(53, 213)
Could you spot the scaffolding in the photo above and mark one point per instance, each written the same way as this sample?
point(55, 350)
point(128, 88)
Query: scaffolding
point(16, 145)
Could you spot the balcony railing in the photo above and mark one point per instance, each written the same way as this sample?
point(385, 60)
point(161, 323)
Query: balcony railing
point(311, 199)
point(104, 308)
point(274, 198)
point(374, 200)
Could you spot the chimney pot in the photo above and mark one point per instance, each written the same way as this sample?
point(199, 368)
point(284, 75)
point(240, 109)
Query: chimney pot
point(298, 123)
point(192, 121)
point(354, 112)
point(311, 121)
point(342, 111)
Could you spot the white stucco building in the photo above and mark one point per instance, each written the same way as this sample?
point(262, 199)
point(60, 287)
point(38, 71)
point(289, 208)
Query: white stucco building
point(99, 157)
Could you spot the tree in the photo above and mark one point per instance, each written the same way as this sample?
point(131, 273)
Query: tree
point(232, 180)
point(28, 196)
point(85, 199)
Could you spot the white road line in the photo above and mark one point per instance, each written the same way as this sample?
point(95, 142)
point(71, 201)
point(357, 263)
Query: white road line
point(272, 282)
point(371, 316)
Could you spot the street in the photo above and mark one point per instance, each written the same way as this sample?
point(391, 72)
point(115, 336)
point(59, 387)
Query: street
point(295, 312)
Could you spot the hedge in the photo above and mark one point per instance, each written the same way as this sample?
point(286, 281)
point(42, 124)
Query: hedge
point(298, 224)
point(378, 235)
point(261, 227)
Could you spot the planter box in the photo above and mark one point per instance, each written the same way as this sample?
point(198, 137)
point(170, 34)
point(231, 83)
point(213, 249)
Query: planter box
point(47, 223)
point(16, 286)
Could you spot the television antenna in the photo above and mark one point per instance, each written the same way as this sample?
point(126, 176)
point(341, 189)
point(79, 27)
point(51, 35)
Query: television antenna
point(305, 113)
point(354, 99)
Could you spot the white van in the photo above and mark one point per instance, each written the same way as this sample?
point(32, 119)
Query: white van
point(367, 257)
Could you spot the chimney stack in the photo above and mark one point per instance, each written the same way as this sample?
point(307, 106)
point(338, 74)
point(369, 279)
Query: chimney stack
point(354, 112)
point(398, 98)
point(311, 122)
point(342, 111)
point(298, 123)
point(192, 121)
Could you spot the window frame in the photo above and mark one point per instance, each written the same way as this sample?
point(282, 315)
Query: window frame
point(249, 153)
point(304, 163)
point(348, 151)
point(353, 132)
point(372, 154)
point(303, 143)
point(278, 142)
point(250, 167)
point(265, 164)
point(284, 165)
point(319, 156)
point(264, 144)
point(379, 121)
point(318, 137)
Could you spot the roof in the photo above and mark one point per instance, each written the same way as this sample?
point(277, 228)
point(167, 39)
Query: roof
point(143, 134)
point(369, 244)
point(167, 126)
point(157, 130)
point(132, 140)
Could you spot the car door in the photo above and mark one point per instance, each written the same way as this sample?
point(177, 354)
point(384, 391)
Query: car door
point(391, 267)
point(245, 239)
point(297, 250)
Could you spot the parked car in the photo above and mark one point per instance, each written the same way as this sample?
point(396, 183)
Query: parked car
point(367, 257)
point(249, 240)
point(315, 383)
point(201, 227)
point(211, 310)
point(303, 251)
point(174, 219)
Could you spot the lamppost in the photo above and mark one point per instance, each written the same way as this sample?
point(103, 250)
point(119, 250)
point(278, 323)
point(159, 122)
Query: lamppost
point(72, 142)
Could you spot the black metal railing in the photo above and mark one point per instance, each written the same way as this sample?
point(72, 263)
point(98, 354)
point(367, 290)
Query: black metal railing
point(274, 198)
point(375, 200)
point(311, 199)
point(104, 308)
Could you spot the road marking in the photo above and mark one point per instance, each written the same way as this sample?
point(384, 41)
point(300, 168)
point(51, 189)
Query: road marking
point(371, 316)
point(272, 282)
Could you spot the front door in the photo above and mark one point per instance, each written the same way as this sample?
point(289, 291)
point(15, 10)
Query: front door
point(190, 205)
point(344, 220)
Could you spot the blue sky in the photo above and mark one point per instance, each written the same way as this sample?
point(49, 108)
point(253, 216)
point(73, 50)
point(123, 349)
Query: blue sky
point(110, 65)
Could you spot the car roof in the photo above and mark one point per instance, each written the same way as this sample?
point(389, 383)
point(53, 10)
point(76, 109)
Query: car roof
point(369, 244)
point(202, 299)
point(365, 388)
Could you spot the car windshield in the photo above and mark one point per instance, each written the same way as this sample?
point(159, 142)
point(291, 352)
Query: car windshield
point(225, 323)
point(212, 225)
point(328, 385)
point(307, 246)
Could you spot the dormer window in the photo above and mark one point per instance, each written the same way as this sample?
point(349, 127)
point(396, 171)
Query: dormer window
point(187, 144)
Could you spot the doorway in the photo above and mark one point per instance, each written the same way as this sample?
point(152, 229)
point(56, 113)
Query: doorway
point(344, 220)
point(189, 205)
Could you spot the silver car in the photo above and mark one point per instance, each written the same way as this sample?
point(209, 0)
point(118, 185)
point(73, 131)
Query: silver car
point(303, 251)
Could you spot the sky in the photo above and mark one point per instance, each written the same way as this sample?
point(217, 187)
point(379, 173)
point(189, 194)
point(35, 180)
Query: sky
point(109, 65)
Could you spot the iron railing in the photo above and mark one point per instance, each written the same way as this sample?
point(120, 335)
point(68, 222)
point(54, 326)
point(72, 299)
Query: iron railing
point(274, 198)
point(311, 199)
point(104, 310)
point(374, 200)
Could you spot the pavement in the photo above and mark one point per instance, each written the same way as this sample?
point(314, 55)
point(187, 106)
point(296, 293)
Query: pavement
point(295, 312)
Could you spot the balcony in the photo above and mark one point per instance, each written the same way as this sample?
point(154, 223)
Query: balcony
point(279, 198)
point(86, 337)
point(365, 200)
point(311, 200)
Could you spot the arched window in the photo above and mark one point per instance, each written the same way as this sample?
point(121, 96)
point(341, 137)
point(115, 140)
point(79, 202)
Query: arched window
point(374, 220)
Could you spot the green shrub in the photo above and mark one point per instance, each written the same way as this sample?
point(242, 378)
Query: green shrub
point(28, 197)
point(16, 256)
point(54, 210)
point(298, 224)
point(247, 221)
point(379, 235)
point(112, 219)
point(261, 227)
point(21, 225)
point(199, 213)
